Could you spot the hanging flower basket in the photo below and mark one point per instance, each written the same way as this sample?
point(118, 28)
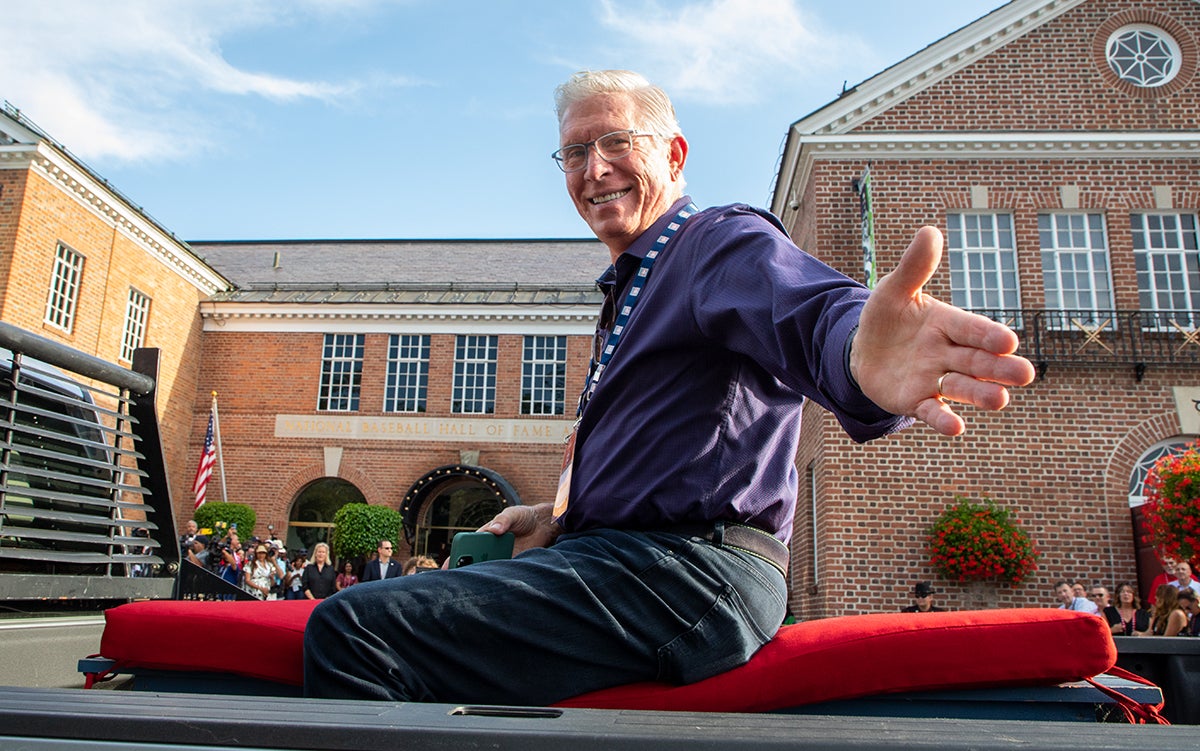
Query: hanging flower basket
point(1172, 510)
point(980, 542)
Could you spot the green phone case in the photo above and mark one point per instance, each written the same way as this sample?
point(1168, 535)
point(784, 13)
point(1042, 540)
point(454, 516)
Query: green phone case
point(476, 547)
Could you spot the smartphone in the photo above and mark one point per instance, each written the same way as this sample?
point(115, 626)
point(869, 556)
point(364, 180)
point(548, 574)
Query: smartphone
point(475, 547)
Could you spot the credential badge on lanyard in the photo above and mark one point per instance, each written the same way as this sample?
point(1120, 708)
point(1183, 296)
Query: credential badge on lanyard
point(597, 365)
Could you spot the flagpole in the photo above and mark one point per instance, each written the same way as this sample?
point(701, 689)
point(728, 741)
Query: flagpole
point(220, 452)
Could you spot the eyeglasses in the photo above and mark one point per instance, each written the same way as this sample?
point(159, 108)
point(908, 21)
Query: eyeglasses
point(610, 146)
point(1096, 594)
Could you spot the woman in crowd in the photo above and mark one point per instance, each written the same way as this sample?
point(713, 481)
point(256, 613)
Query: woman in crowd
point(319, 576)
point(293, 580)
point(347, 577)
point(1169, 619)
point(260, 574)
point(1125, 616)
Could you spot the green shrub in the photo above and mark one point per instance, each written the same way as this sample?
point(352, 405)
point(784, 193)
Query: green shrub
point(358, 528)
point(216, 519)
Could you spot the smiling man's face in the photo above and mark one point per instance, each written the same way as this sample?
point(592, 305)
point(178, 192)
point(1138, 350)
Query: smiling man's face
point(620, 199)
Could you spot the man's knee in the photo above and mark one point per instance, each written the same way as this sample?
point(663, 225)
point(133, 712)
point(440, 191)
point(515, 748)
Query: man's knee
point(321, 626)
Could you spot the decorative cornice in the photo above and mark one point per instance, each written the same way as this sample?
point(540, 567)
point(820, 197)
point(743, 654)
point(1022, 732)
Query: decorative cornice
point(101, 201)
point(243, 317)
point(1008, 145)
point(879, 146)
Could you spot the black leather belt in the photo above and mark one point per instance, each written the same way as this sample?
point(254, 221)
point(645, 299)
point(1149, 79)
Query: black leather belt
point(740, 537)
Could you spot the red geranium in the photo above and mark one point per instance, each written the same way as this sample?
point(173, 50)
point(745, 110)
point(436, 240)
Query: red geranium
point(1172, 510)
point(980, 541)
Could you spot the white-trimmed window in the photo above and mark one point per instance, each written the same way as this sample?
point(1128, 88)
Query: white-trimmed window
point(1166, 253)
point(983, 265)
point(1075, 268)
point(1144, 55)
point(474, 390)
point(137, 310)
point(544, 375)
point(341, 372)
point(1141, 470)
point(64, 288)
point(407, 373)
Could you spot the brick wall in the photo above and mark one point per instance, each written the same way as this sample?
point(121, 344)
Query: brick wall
point(1055, 78)
point(263, 374)
point(1059, 457)
point(1062, 454)
point(36, 215)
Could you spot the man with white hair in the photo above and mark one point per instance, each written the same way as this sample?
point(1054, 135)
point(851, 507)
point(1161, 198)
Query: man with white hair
point(664, 555)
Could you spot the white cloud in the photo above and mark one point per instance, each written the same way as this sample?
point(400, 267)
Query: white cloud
point(120, 78)
point(726, 51)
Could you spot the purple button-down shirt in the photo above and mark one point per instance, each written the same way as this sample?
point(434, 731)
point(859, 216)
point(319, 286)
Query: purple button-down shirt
point(697, 416)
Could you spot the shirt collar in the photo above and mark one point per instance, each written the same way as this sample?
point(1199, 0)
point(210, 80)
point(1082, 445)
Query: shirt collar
point(638, 249)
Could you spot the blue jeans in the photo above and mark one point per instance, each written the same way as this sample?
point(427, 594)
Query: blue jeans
point(594, 610)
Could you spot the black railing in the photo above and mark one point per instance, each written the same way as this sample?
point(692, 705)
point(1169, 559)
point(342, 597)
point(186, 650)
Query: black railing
point(1137, 338)
point(85, 510)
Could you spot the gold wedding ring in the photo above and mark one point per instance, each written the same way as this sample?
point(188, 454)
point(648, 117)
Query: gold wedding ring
point(941, 394)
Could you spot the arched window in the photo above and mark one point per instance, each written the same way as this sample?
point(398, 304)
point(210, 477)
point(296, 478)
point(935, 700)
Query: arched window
point(311, 520)
point(1141, 470)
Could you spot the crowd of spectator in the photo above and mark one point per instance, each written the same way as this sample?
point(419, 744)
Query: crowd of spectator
point(263, 567)
point(1172, 607)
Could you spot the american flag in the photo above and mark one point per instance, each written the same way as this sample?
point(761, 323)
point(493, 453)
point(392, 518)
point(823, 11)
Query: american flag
point(207, 460)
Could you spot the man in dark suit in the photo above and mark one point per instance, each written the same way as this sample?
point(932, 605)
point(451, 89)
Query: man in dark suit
point(383, 567)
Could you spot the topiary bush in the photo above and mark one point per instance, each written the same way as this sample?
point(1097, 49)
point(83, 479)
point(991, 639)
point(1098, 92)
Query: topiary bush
point(216, 519)
point(358, 528)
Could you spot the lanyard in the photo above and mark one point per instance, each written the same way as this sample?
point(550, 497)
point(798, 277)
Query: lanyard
point(596, 369)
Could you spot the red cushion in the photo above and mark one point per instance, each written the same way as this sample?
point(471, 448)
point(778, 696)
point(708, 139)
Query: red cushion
point(853, 656)
point(256, 639)
point(836, 658)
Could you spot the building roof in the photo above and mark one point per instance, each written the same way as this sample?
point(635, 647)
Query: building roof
point(365, 271)
point(24, 144)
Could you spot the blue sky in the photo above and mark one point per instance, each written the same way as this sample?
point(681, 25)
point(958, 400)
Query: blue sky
point(304, 119)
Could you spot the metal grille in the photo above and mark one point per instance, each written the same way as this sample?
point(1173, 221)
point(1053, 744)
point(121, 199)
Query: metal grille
point(75, 515)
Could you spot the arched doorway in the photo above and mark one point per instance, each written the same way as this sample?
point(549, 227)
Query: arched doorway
point(1148, 565)
point(449, 500)
point(311, 520)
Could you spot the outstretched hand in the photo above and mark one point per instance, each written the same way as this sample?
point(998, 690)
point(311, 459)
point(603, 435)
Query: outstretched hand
point(915, 355)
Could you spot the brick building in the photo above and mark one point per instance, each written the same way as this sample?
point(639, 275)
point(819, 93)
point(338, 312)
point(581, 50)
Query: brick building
point(1055, 143)
point(435, 377)
point(83, 265)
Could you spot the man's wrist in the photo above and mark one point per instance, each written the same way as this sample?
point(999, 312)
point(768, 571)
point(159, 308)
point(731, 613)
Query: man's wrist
point(849, 358)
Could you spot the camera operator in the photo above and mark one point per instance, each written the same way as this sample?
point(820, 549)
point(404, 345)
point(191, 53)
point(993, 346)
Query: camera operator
point(225, 558)
point(198, 552)
point(185, 540)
